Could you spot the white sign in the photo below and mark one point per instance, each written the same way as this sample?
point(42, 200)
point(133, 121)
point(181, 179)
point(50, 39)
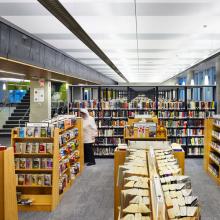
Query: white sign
point(38, 94)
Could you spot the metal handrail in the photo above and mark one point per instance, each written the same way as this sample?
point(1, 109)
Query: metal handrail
point(23, 117)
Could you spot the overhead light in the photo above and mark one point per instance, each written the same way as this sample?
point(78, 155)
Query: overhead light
point(4, 86)
point(192, 82)
point(12, 73)
point(57, 80)
point(206, 81)
point(13, 80)
point(215, 82)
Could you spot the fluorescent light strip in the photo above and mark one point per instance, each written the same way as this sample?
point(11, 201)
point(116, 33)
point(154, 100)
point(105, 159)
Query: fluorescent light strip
point(57, 80)
point(12, 73)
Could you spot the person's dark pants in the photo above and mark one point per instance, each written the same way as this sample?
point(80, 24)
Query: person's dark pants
point(88, 153)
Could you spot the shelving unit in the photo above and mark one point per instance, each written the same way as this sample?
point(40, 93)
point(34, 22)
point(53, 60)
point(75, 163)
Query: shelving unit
point(44, 197)
point(8, 202)
point(40, 174)
point(178, 116)
point(212, 147)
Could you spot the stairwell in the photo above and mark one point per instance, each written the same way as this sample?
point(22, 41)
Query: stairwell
point(20, 115)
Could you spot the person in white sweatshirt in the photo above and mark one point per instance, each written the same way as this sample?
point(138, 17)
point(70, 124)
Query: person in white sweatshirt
point(90, 132)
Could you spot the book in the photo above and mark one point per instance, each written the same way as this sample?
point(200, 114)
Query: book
point(44, 163)
point(28, 148)
point(40, 179)
point(21, 179)
point(28, 179)
point(43, 131)
point(47, 180)
point(42, 148)
point(22, 163)
point(49, 148)
point(35, 148)
point(28, 163)
point(22, 132)
point(29, 132)
point(36, 132)
point(36, 163)
point(34, 179)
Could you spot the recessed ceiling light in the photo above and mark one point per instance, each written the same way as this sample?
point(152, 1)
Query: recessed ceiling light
point(205, 26)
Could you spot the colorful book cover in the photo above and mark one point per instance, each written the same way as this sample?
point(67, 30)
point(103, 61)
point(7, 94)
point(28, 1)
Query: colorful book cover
point(22, 132)
point(28, 163)
point(40, 179)
point(49, 148)
point(21, 179)
point(28, 148)
point(36, 132)
point(47, 180)
point(36, 163)
point(35, 148)
point(22, 163)
point(28, 179)
point(42, 148)
point(29, 132)
point(44, 163)
point(43, 132)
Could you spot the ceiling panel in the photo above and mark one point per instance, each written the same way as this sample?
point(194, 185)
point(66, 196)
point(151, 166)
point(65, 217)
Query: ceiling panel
point(172, 35)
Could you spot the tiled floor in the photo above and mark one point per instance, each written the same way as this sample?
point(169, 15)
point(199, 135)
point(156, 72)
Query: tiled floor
point(91, 197)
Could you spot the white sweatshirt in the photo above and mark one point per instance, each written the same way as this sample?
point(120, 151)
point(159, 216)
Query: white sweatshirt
point(89, 129)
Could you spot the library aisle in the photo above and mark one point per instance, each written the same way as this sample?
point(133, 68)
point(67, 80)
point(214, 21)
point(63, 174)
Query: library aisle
point(207, 190)
point(92, 195)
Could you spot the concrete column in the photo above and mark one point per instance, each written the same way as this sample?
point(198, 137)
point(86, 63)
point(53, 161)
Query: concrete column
point(218, 84)
point(40, 110)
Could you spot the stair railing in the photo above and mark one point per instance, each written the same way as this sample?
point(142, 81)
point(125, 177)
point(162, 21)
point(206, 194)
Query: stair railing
point(23, 117)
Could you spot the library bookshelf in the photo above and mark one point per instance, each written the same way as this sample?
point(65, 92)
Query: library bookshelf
point(212, 147)
point(8, 202)
point(46, 197)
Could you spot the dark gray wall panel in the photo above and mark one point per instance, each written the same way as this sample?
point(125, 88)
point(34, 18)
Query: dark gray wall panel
point(50, 58)
point(59, 62)
point(19, 46)
point(37, 53)
point(4, 40)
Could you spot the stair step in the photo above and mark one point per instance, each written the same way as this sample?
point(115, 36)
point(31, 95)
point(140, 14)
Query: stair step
point(21, 110)
point(16, 122)
point(22, 107)
point(23, 103)
point(12, 126)
point(5, 130)
point(18, 117)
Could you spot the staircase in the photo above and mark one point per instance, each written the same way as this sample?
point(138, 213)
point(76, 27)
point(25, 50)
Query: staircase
point(21, 113)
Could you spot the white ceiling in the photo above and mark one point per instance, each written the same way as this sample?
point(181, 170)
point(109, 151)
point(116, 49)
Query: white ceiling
point(171, 33)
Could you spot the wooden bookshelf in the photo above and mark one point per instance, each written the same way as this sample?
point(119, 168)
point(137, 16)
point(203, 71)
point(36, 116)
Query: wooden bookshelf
point(46, 198)
point(8, 201)
point(78, 125)
point(212, 149)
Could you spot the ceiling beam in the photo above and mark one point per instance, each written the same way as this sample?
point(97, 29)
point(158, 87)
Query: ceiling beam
point(59, 11)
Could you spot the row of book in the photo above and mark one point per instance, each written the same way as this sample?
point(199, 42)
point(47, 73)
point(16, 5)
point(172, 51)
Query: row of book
point(143, 103)
point(215, 157)
point(216, 146)
point(105, 122)
point(109, 140)
point(33, 148)
point(217, 122)
point(195, 151)
point(107, 151)
point(33, 179)
point(172, 114)
point(37, 132)
point(214, 169)
point(33, 163)
point(199, 114)
point(170, 105)
point(201, 105)
point(84, 104)
point(195, 141)
point(216, 134)
point(118, 113)
point(110, 132)
point(68, 135)
point(182, 123)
